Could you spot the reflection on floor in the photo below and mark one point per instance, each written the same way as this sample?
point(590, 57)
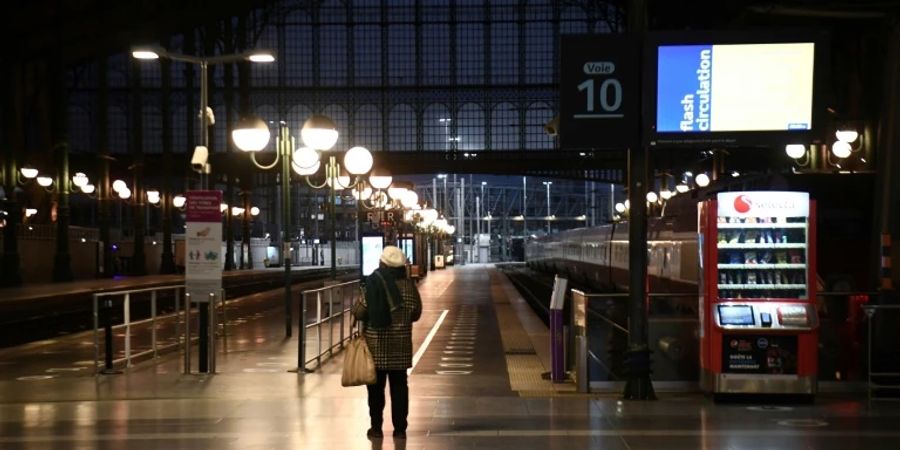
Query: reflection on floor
point(460, 398)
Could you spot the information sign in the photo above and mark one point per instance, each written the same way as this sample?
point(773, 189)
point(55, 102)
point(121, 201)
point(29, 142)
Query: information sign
point(203, 252)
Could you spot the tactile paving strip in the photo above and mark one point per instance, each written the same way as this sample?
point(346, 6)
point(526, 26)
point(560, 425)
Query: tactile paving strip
point(525, 374)
point(523, 365)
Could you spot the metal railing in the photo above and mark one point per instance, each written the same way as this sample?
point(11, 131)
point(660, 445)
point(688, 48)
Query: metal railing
point(873, 385)
point(127, 323)
point(126, 296)
point(582, 312)
point(332, 304)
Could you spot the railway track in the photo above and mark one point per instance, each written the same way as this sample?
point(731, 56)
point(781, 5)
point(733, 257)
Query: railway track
point(46, 322)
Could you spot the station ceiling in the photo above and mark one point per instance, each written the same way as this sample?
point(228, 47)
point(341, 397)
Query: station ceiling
point(81, 30)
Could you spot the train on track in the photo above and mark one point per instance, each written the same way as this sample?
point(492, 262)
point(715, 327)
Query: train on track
point(598, 256)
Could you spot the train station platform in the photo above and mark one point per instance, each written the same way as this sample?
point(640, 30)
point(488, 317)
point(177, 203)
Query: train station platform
point(479, 355)
point(38, 292)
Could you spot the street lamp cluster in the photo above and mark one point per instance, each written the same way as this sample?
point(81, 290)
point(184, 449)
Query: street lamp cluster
point(684, 185)
point(237, 210)
point(846, 143)
point(248, 133)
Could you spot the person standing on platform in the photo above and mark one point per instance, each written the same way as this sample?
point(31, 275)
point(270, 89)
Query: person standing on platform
point(389, 307)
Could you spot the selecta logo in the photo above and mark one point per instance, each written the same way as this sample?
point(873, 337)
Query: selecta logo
point(742, 204)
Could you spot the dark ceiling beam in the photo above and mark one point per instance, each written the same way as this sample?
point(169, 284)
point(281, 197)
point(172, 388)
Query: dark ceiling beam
point(84, 30)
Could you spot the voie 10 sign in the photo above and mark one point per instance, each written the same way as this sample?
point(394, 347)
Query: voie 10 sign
point(598, 91)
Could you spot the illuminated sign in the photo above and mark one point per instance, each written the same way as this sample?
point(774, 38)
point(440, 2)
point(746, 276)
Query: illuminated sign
point(763, 204)
point(734, 87)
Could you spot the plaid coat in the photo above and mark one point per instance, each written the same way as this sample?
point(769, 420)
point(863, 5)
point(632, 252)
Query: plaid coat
point(392, 347)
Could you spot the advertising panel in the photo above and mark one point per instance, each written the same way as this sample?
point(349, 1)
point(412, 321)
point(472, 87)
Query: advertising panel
point(203, 252)
point(766, 354)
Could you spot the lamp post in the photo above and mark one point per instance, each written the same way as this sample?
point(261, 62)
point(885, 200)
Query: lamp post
point(444, 209)
point(318, 133)
point(201, 153)
point(548, 183)
point(199, 160)
point(10, 179)
point(524, 209)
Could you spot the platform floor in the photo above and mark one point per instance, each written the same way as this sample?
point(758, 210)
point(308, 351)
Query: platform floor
point(473, 386)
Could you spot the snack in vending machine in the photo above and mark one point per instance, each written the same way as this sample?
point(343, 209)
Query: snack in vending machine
point(781, 257)
point(750, 237)
point(750, 258)
point(751, 278)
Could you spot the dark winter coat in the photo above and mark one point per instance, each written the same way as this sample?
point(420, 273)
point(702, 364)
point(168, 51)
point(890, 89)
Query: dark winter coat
point(391, 347)
point(382, 296)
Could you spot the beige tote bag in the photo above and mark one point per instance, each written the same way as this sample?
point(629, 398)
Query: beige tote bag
point(359, 367)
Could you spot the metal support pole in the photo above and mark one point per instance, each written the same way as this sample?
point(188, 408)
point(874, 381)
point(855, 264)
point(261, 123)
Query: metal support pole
point(524, 208)
point(301, 341)
point(96, 332)
point(108, 334)
point(212, 333)
point(461, 218)
point(637, 359)
point(319, 328)
point(127, 318)
point(187, 332)
point(203, 333)
point(548, 183)
point(62, 262)
point(332, 162)
point(490, 239)
point(478, 228)
point(153, 322)
point(204, 123)
point(285, 144)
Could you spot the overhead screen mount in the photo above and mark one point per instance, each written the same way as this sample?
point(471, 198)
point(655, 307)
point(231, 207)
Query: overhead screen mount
point(734, 89)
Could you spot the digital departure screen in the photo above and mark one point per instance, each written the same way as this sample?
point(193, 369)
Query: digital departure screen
point(371, 252)
point(734, 87)
point(736, 315)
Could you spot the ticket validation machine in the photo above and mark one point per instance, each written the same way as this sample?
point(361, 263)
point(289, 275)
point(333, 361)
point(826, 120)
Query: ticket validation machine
point(758, 320)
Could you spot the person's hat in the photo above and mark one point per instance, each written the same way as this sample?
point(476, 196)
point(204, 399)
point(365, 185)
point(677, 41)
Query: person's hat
point(392, 256)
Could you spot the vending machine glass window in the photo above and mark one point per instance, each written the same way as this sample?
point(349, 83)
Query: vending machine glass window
point(762, 245)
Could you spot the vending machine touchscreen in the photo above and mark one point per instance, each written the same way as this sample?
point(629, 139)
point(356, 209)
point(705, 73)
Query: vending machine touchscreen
point(759, 327)
point(736, 315)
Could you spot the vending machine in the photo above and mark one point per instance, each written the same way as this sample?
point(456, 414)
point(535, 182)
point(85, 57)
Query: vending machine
point(758, 320)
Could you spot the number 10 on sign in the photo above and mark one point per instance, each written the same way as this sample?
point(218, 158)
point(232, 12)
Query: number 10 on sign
point(610, 96)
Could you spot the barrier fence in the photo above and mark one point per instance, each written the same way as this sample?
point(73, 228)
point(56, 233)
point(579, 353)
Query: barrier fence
point(332, 305)
point(103, 307)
